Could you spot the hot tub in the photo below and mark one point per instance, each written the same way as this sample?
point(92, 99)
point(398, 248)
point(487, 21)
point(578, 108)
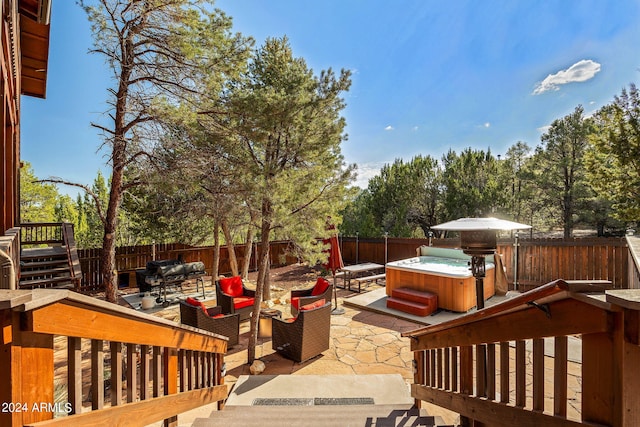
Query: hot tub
point(444, 272)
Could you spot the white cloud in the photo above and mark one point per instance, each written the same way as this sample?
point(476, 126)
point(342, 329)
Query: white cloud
point(365, 172)
point(487, 125)
point(581, 71)
point(389, 128)
point(544, 129)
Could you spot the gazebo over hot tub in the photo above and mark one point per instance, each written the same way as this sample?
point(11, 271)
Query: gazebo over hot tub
point(444, 272)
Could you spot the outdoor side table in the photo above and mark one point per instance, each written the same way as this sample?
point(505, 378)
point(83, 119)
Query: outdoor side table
point(265, 321)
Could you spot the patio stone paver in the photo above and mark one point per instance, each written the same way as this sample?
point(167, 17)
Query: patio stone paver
point(362, 343)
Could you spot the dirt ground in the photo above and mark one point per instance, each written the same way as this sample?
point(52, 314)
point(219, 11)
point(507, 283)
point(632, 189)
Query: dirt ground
point(282, 280)
point(295, 276)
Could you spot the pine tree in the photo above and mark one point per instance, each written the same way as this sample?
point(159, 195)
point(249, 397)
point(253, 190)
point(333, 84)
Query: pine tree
point(286, 141)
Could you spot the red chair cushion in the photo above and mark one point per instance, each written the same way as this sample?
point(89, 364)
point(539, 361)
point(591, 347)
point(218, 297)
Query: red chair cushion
point(295, 301)
point(217, 316)
point(313, 305)
point(241, 302)
point(320, 287)
point(232, 286)
point(194, 302)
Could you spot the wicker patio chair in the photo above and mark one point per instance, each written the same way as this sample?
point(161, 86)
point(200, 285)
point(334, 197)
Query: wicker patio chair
point(233, 297)
point(321, 290)
point(226, 325)
point(306, 336)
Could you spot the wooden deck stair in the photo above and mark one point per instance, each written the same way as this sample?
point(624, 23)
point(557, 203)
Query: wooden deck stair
point(319, 401)
point(54, 266)
point(413, 301)
point(320, 416)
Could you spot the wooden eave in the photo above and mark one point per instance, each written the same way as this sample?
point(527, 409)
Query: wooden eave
point(34, 43)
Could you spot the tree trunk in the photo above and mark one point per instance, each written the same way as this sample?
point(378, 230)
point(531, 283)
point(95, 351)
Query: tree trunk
point(248, 249)
point(267, 279)
point(118, 163)
point(216, 251)
point(108, 266)
point(567, 216)
point(108, 258)
point(260, 282)
point(233, 261)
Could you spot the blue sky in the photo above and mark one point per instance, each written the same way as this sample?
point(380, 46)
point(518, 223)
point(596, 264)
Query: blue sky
point(427, 75)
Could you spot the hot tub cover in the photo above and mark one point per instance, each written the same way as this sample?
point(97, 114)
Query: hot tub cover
point(473, 224)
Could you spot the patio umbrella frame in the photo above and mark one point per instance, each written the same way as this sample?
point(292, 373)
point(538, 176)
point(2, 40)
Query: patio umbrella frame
point(334, 263)
point(478, 239)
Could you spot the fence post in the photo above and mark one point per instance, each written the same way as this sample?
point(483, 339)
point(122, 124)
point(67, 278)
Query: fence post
point(516, 244)
point(386, 244)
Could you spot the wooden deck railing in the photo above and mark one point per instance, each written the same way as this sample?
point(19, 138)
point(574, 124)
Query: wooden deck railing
point(634, 262)
point(480, 367)
point(41, 233)
point(10, 245)
point(165, 368)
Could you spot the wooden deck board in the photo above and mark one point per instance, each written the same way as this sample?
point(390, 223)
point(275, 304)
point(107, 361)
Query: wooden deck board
point(52, 251)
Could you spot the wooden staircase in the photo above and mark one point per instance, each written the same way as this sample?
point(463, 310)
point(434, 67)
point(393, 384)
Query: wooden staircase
point(419, 303)
point(320, 416)
point(49, 257)
point(323, 400)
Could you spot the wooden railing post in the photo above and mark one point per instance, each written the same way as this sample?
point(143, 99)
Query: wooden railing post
point(520, 362)
point(97, 374)
point(170, 380)
point(116, 373)
point(132, 371)
point(418, 372)
point(74, 374)
point(218, 377)
point(560, 354)
point(157, 371)
point(144, 372)
point(625, 353)
point(9, 366)
point(602, 367)
point(26, 369)
point(538, 374)
point(466, 377)
point(37, 375)
point(504, 372)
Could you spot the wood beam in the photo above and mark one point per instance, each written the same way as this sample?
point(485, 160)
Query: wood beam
point(567, 317)
point(66, 319)
point(143, 412)
point(488, 412)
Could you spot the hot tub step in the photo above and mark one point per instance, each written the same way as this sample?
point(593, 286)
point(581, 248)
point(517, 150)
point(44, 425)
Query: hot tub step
point(414, 295)
point(411, 307)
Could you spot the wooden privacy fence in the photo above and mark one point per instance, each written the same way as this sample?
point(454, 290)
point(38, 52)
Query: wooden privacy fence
point(539, 260)
point(130, 258)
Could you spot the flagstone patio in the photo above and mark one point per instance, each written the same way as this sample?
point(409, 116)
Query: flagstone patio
point(362, 342)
